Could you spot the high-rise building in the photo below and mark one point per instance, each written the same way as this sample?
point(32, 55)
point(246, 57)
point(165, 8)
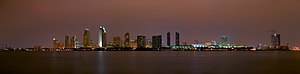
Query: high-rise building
point(67, 42)
point(157, 42)
point(133, 44)
point(117, 41)
point(275, 39)
point(168, 39)
point(224, 40)
point(73, 42)
point(55, 44)
point(141, 41)
point(177, 39)
point(127, 40)
point(102, 37)
point(86, 39)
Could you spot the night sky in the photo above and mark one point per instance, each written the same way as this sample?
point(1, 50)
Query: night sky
point(25, 23)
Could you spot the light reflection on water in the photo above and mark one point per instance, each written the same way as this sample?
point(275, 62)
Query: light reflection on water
point(150, 62)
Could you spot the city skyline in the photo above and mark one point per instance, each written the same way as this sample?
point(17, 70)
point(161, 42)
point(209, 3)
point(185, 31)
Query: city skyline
point(156, 43)
point(34, 22)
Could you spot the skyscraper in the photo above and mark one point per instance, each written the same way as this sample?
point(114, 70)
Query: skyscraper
point(73, 42)
point(141, 41)
point(127, 40)
point(275, 39)
point(224, 40)
point(157, 42)
point(102, 37)
point(55, 43)
point(168, 39)
point(177, 39)
point(67, 42)
point(117, 41)
point(86, 39)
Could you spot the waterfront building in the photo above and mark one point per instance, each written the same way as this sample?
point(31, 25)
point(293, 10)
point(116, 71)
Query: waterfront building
point(86, 39)
point(141, 41)
point(117, 41)
point(157, 42)
point(127, 40)
point(73, 43)
point(67, 42)
point(168, 39)
point(275, 40)
point(224, 40)
point(102, 37)
point(182, 47)
point(133, 44)
point(55, 44)
point(60, 46)
point(177, 39)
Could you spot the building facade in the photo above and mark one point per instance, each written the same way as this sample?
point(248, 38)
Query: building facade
point(102, 37)
point(141, 41)
point(73, 42)
point(224, 40)
point(275, 40)
point(177, 39)
point(117, 41)
point(168, 39)
point(67, 42)
point(86, 39)
point(157, 42)
point(55, 44)
point(127, 40)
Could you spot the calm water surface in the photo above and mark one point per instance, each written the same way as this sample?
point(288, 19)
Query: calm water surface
point(150, 62)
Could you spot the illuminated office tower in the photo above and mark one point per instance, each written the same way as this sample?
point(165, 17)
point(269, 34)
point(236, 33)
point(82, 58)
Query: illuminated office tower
point(102, 37)
point(127, 40)
point(117, 41)
point(177, 39)
point(86, 39)
point(224, 40)
point(275, 39)
point(157, 42)
point(55, 44)
point(67, 42)
point(141, 41)
point(133, 44)
point(168, 39)
point(73, 42)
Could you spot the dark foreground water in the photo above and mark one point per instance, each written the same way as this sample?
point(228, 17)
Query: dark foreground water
point(150, 62)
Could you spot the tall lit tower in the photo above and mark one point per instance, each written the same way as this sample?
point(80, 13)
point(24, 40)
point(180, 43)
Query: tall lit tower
point(127, 39)
point(67, 42)
point(177, 39)
point(54, 43)
point(102, 37)
point(275, 39)
point(73, 42)
point(168, 39)
point(86, 39)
